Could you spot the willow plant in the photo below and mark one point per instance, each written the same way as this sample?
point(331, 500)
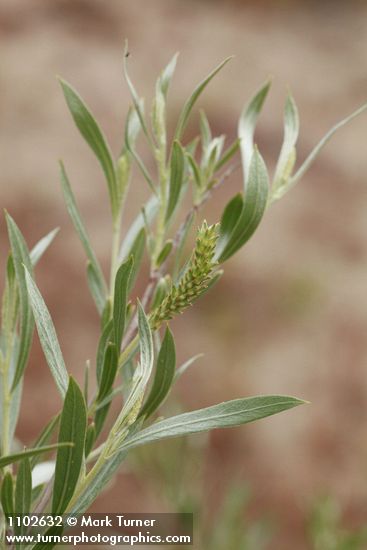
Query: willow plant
point(135, 364)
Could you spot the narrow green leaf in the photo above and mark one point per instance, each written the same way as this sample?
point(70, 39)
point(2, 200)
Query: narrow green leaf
point(90, 438)
point(254, 205)
point(109, 371)
point(227, 155)
point(137, 253)
point(100, 418)
point(86, 381)
point(224, 415)
point(164, 253)
point(93, 135)
point(312, 156)
point(7, 496)
point(132, 127)
point(21, 257)
point(247, 125)
point(196, 172)
point(95, 275)
point(167, 74)
point(106, 313)
point(206, 134)
point(287, 152)
point(120, 300)
point(212, 156)
point(47, 336)
point(228, 222)
point(23, 494)
point(165, 371)
point(10, 304)
point(97, 293)
point(133, 403)
point(40, 248)
point(187, 108)
point(102, 345)
point(45, 437)
point(150, 209)
point(123, 173)
point(69, 460)
point(16, 457)
point(13, 405)
point(177, 166)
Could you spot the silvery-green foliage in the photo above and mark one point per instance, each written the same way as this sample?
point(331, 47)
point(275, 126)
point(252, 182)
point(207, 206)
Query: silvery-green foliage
point(133, 364)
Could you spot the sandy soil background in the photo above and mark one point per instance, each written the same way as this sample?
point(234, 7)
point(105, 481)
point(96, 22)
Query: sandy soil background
point(290, 315)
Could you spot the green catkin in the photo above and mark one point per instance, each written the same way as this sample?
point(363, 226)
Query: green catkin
point(194, 281)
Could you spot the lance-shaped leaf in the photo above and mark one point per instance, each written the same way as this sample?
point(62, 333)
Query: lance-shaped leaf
point(150, 210)
point(108, 371)
point(224, 415)
point(165, 371)
point(167, 74)
point(23, 494)
point(95, 272)
point(10, 304)
point(73, 425)
point(187, 108)
point(205, 131)
point(177, 166)
point(97, 292)
point(40, 248)
point(132, 405)
point(316, 150)
point(120, 300)
point(102, 345)
point(136, 253)
point(47, 335)
point(228, 222)
point(247, 125)
point(227, 155)
point(287, 155)
point(44, 437)
point(90, 438)
point(7, 495)
point(28, 453)
point(165, 252)
point(93, 135)
point(234, 234)
point(21, 257)
point(13, 403)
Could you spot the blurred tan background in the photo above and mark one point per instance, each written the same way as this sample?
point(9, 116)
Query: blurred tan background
point(290, 314)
